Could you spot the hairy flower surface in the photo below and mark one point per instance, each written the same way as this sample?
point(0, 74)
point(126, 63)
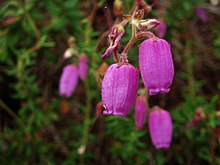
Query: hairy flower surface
point(68, 80)
point(119, 89)
point(140, 111)
point(83, 67)
point(160, 127)
point(156, 65)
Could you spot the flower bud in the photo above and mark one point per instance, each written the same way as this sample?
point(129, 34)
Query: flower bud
point(68, 80)
point(161, 29)
point(83, 67)
point(140, 112)
point(156, 65)
point(160, 127)
point(200, 12)
point(148, 24)
point(119, 89)
point(69, 53)
point(118, 8)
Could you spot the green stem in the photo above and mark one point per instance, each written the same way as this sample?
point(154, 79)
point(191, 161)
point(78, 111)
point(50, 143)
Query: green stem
point(88, 32)
point(131, 41)
point(87, 122)
point(30, 20)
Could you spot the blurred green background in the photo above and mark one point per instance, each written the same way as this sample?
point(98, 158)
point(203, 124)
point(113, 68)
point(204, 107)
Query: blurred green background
point(37, 126)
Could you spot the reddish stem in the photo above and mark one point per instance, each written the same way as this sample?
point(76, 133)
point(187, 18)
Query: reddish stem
point(108, 17)
point(146, 34)
point(154, 3)
point(137, 3)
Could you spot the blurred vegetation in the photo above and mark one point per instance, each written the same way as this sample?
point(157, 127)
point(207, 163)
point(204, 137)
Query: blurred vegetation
point(37, 126)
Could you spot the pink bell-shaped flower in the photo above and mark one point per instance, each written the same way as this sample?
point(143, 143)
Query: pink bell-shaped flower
point(119, 89)
point(83, 67)
point(156, 65)
point(140, 111)
point(68, 80)
point(160, 128)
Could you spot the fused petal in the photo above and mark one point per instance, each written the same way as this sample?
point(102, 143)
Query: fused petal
point(83, 67)
point(160, 127)
point(140, 111)
point(68, 80)
point(119, 89)
point(156, 65)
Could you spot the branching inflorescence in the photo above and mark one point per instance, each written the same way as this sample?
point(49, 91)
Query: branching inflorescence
point(120, 82)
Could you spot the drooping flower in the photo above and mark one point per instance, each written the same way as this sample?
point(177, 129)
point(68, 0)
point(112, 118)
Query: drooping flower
point(200, 12)
point(83, 67)
point(140, 112)
point(161, 29)
point(68, 80)
point(156, 65)
point(119, 89)
point(160, 128)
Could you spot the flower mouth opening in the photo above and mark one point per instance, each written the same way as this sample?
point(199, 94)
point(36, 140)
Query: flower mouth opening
point(106, 112)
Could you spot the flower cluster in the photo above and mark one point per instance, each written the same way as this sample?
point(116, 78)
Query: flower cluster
point(70, 75)
point(120, 82)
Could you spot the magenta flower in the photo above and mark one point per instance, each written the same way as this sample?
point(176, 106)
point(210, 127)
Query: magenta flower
point(83, 67)
point(140, 112)
point(156, 65)
point(68, 80)
point(161, 29)
point(119, 89)
point(200, 12)
point(160, 127)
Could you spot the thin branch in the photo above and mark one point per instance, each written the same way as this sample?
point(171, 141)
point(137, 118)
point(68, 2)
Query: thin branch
point(131, 41)
point(154, 3)
point(8, 110)
point(30, 20)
